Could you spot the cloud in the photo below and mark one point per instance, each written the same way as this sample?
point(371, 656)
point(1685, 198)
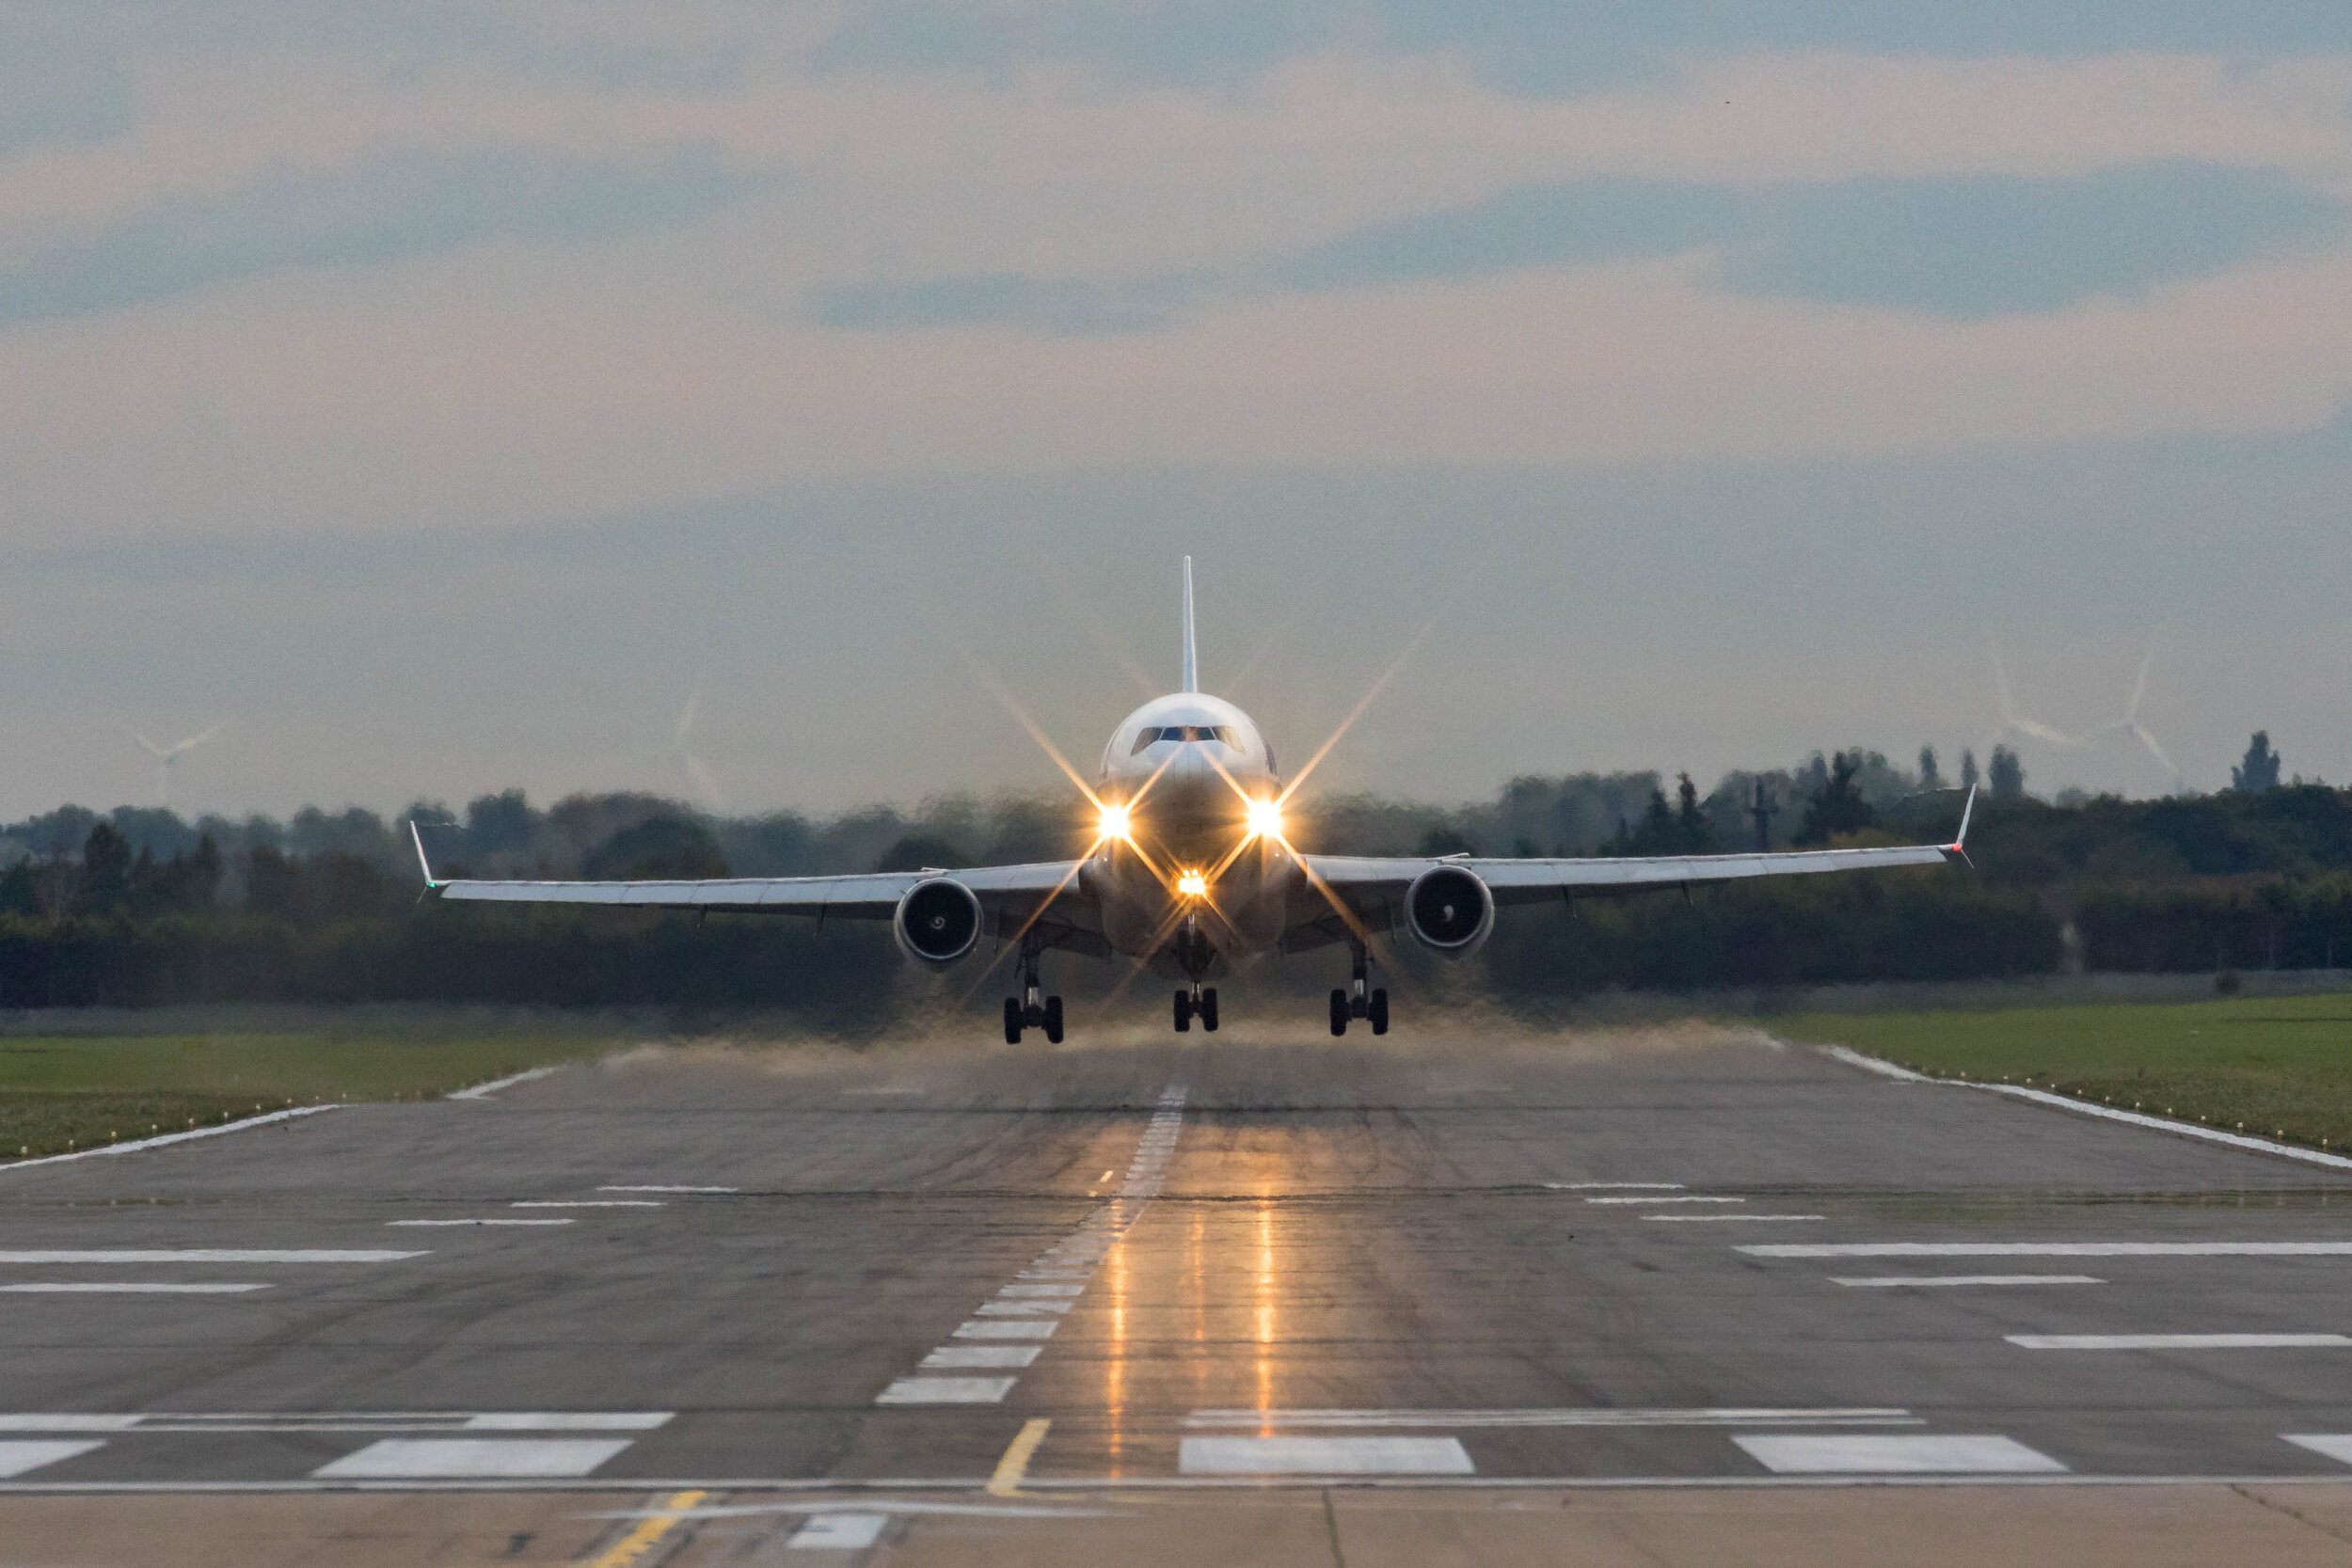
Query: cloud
point(398, 208)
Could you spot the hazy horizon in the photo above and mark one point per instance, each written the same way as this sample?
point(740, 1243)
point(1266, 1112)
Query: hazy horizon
point(438, 397)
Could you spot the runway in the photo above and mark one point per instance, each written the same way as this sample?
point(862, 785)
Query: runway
point(1438, 1299)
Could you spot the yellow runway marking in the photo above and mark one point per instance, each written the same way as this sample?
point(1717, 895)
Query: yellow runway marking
point(1005, 1483)
point(637, 1543)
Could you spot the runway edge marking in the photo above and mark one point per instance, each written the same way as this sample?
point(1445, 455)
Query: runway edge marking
point(2108, 1113)
point(136, 1145)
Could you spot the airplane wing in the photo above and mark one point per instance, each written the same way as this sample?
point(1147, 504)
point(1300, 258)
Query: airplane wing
point(1010, 895)
point(1371, 889)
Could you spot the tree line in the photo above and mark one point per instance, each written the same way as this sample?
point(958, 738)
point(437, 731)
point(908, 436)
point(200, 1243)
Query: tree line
point(139, 907)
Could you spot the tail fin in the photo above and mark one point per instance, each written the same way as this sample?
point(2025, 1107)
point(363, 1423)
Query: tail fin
point(1192, 660)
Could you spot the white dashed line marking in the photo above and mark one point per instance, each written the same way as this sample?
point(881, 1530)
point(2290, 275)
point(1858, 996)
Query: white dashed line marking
point(1858, 1455)
point(128, 1288)
point(1931, 1281)
point(1323, 1456)
point(2178, 1341)
point(16, 1458)
point(961, 1358)
point(946, 1390)
point(517, 1457)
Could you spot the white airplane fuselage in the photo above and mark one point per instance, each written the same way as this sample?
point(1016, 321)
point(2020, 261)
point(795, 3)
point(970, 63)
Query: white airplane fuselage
point(1186, 770)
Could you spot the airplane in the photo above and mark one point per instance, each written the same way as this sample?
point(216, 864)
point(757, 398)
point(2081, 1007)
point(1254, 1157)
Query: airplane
point(1192, 870)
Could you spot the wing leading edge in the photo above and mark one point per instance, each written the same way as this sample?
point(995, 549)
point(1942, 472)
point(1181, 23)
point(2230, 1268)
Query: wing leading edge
point(1373, 888)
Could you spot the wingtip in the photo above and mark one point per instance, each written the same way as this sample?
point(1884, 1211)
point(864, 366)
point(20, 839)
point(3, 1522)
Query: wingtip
point(422, 865)
point(1960, 840)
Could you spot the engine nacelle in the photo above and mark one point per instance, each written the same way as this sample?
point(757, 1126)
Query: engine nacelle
point(1449, 910)
point(937, 922)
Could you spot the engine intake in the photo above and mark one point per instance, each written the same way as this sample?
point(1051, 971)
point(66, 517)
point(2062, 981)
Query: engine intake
point(938, 921)
point(1449, 910)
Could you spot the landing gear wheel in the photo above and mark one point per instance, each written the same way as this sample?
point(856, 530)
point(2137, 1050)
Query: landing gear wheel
point(1208, 1009)
point(1053, 1019)
point(1379, 1012)
point(1012, 1020)
point(1184, 1013)
point(1339, 1011)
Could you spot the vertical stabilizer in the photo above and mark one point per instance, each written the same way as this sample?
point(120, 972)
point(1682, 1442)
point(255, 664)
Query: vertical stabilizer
point(1192, 660)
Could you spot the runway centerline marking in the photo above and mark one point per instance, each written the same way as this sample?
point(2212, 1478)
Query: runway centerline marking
point(654, 1189)
point(2049, 1249)
point(2179, 1341)
point(1934, 1280)
point(588, 1203)
point(1669, 1198)
point(481, 1222)
point(1033, 1311)
point(1594, 1186)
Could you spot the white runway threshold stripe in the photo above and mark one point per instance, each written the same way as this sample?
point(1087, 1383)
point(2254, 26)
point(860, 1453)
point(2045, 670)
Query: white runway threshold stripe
point(1934, 1281)
point(136, 1145)
point(838, 1532)
point(2178, 1341)
point(946, 1390)
point(128, 1288)
point(391, 1458)
point(1323, 1456)
point(2048, 1249)
point(1725, 1416)
point(339, 1420)
point(1922, 1455)
point(2105, 1113)
point(16, 1458)
point(2335, 1445)
point(210, 1255)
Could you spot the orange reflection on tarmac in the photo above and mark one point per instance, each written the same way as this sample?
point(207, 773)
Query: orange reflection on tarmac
point(1115, 1365)
point(1267, 1321)
point(1197, 1289)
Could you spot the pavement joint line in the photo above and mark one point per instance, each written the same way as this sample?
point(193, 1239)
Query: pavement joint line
point(484, 1091)
point(136, 1145)
point(637, 1543)
point(2084, 1107)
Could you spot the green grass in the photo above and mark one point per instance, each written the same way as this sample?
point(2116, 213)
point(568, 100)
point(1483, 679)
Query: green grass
point(67, 1091)
point(2281, 1066)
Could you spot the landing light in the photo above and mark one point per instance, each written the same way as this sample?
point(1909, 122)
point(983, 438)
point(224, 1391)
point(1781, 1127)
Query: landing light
point(1192, 884)
point(1113, 821)
point(1266, 818)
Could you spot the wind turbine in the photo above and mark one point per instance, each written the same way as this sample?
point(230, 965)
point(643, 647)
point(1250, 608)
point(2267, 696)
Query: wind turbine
point(2130, 725)
point(681, 748)
point(2011, 723)
point(166, 757)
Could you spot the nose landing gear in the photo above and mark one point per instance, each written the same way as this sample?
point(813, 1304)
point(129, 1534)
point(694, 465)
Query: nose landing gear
point(1195, 1003)
point(1360, 999)
point(1032, 1008)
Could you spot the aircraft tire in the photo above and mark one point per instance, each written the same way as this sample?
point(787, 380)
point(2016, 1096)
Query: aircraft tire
point(1053, 1019)
point(1208, 1009)
point(1184, 1013)
point(1379, 1012)
point(1339, 1011)
point(1012, 1020)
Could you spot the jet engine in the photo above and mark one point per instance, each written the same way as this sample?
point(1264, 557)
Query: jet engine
point(937, 922)
point(1449, 910)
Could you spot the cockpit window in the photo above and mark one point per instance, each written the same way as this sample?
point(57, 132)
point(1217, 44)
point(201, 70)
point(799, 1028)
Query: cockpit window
point(1152, 735)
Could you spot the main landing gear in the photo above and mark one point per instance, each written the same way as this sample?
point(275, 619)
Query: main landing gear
point(1198, 1003)
point(1360, 999)
point(1032, 1008)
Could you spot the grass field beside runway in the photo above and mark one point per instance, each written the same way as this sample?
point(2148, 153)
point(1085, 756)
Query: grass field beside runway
point(76, 1091)
point(2282, 1066)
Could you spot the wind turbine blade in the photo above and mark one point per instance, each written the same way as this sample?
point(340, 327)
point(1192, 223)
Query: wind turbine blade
point(686, 717)
point(2140, 687)
point(194, 741)
point(146, 745)
point(2042, 732)
point(702, 781)
point(2156, 752)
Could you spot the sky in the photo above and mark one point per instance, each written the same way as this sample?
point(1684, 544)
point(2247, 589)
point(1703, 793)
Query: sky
point(445, 397)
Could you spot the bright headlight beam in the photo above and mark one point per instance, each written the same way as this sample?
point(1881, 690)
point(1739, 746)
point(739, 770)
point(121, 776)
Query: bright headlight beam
point(1112, 820)
point(1192, 884)
point(1266, 818)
